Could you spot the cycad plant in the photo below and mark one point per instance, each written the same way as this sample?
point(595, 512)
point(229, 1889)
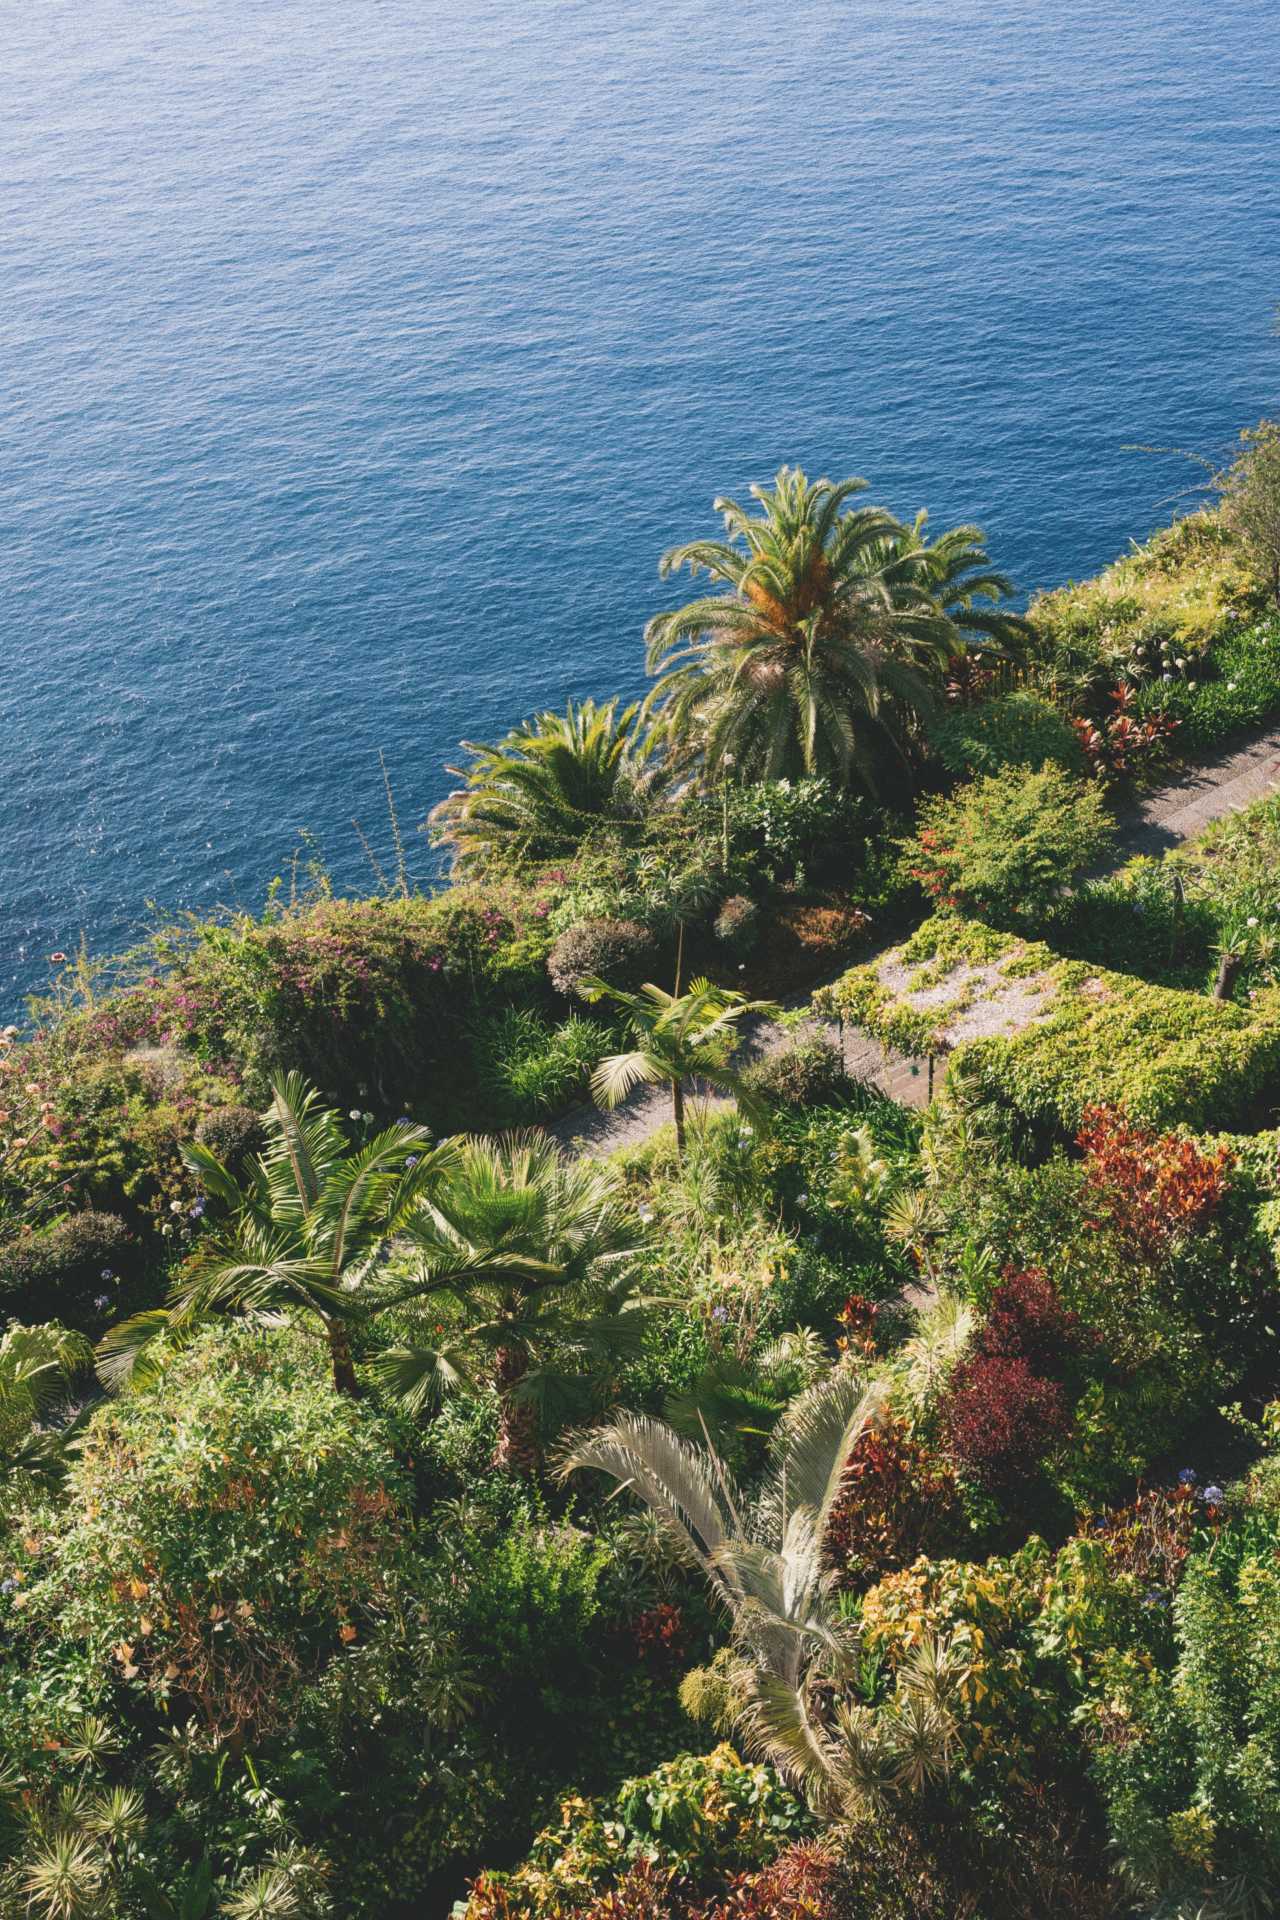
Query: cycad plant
point(797, 1654)
point(817, 650)
point(36, 1366)
point(676, 1038)
point(302, 1231)
point(541, 790)
point(522, 1274)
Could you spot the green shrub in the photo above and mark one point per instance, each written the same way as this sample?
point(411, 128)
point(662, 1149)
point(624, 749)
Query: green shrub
point(1237, 687)
point(790, 831)
point(1007, 844)
point(708, 1816)
point(737, 925)
point(372, 999)
point(1192, 1789)
point(1172, 597)
point(807, 1073)
point(1251, 501)
point(1012, 730)
point(234, 1134)
point(62, 1271)
point(226, 1533)
point(528, 1069)
point(623, 952)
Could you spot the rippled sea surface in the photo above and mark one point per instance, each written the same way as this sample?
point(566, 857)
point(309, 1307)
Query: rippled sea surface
point(357, 362)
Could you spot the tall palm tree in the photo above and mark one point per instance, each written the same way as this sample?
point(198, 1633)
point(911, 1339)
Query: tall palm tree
point(764, 1561)
point(677, 1037)
point(539, 791)
point(526, 1256)
point(818, 647)
point(302, 1232)
point(36, 1365)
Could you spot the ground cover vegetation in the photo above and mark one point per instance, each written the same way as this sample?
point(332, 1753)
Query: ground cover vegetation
point(818, 1508)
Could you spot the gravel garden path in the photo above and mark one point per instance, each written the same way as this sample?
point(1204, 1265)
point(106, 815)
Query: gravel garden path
point(1165, 819)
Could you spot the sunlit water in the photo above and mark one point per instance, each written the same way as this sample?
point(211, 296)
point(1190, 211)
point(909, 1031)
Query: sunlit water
point(357, 361)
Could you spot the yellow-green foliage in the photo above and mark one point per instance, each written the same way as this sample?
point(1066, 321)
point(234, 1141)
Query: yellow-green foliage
point(1183, 587)
point(1167, 1057)
point(706, 1815)
point(985, 1613)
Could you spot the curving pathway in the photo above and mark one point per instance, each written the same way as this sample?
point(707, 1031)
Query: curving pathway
point(1165, 819)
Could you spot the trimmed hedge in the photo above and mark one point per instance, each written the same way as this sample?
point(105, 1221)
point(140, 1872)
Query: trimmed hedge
point(1167, 1057)
point(623, 952)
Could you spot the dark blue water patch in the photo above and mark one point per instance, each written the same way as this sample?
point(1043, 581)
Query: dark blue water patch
point(356, 364)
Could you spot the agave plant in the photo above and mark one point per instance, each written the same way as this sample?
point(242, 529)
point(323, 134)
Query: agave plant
point(822, 643)
point(677, 1038)
point(302, 1233)
point(541, 790)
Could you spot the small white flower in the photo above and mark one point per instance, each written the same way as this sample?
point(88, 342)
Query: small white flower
point(367, 1118)
point(646, 1214)
point(1166, 676)
point(1231, 686)
point(354, 1114)
point(1191, 683)
point(1252, 921)
point(175, 1206)
point(1179, 663)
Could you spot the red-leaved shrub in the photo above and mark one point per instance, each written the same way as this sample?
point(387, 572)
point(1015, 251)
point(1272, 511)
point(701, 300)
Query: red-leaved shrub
point(1027, 1321)
point(646, 1892)
point(659, 1631)
point(1152, 1538)
point(1000, 1420)
point(896, 1502)
point(1153, 1188)
point(798, 1886)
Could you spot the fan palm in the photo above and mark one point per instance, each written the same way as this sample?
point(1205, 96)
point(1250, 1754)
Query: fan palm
point(677, 1038)
point(528, 1255)
point(764, 1561)
point(818, 648)
point(539, 792)
point(36, 1364)
point(303, 1231)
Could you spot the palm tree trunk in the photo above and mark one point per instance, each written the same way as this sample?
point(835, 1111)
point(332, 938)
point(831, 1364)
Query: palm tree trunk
point(677, 1103)
point(517, 1445)
point(344, 1371)
point(1228, 973)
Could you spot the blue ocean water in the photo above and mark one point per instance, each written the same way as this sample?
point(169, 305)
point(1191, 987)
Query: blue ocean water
point(357, 362)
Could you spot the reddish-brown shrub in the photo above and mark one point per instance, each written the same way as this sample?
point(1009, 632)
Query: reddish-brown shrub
point(798, 1886)
point(659, 1631)
point(1000, 1420)
point(645, 1893)
point(1027, 1321)
point(896, 1502)
point(1152, 1538)
point(1153, 1188)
